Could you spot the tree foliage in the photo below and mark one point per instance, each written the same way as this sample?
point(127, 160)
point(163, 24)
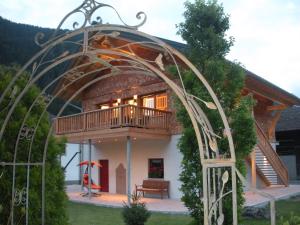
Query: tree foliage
point(18, 46)
point(204, 29)
point(55, 197)
point(17, 41)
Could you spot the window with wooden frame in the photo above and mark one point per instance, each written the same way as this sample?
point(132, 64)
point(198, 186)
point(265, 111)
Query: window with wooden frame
point(104, 106)
point(148, 101)
point(161, 102)
point(156, 101)
point(107, 105)
point(130, 101)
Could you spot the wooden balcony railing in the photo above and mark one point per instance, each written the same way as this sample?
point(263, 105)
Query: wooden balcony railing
point(271, 155)
point(121, 116)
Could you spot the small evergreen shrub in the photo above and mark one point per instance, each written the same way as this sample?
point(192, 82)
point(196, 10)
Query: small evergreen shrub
point(135, 213)
point(293, 220)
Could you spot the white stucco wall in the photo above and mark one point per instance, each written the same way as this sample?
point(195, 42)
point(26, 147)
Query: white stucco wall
point(259, 183)
point(142, 150)
point(72, 171)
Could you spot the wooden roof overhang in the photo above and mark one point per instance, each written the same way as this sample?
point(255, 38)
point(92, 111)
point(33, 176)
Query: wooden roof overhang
point(141, 49)
point(261, 88)
point(266, 90)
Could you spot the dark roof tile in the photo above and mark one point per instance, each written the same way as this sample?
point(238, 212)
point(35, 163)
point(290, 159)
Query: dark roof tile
point(289, 120)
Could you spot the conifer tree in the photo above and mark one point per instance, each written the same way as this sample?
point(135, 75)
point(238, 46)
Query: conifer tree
point(204, 30)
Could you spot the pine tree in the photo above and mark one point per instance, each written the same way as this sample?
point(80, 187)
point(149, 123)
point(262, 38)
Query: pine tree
point(204, 30)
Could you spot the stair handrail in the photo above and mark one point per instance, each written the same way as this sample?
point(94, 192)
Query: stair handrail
point(65, 167)
point(271, 155)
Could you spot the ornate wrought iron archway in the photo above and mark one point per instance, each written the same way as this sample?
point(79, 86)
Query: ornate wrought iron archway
point(216, 171)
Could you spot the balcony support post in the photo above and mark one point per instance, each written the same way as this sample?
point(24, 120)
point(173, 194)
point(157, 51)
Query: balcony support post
point(120, 111)
point(89, 168)
point(128, 148)
point(253, 169)
point(81, 148)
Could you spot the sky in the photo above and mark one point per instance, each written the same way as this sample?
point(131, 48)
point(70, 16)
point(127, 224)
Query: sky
point(266, 32)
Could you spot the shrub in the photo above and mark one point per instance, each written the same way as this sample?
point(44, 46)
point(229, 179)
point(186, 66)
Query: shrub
point(135, 213)
point(293, 220)
point(55, 196)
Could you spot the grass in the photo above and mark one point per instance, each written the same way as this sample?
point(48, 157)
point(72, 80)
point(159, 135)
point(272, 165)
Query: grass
point(84, 214)
point(284, 208)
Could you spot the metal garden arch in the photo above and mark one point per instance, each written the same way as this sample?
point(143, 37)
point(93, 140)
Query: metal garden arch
point(215, 169)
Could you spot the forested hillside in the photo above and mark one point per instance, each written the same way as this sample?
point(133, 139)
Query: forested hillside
point(17, 41)
point(17, 46)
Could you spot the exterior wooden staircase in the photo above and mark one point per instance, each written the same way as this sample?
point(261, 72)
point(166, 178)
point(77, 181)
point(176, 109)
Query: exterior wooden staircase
point(268, 163)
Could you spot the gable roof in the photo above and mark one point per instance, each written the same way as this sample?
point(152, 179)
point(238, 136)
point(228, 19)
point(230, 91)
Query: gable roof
point(263, 87)
point(253, 82)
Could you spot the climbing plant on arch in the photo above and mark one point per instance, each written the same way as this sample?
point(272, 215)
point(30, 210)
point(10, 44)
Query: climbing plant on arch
point(116, 60)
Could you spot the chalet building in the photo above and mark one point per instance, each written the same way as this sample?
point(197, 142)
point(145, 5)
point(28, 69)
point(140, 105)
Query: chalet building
point(130, 120)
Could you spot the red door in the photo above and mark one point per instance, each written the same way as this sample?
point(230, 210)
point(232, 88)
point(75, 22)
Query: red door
point(104, 178)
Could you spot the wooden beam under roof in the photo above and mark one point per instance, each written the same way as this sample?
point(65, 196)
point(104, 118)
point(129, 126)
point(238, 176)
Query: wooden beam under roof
point(277, 107)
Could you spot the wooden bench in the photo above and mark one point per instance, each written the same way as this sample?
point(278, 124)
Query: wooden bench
point(153, 186)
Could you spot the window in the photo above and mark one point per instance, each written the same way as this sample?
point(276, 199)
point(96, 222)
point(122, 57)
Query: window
point(104, 106)
point(156, 168)
point(148, 102)
point(130, 102)
point(107, 105)
point(161, 102)
point(158, 101)
point(115, 104)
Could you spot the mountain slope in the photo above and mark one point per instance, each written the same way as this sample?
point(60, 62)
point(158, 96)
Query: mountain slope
point(17, 41)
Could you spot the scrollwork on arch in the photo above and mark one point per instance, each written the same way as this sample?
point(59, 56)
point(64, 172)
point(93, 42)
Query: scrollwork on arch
point(88, 8)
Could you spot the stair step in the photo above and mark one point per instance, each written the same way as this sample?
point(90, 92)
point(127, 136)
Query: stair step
point(265, 167)
point(269, 173)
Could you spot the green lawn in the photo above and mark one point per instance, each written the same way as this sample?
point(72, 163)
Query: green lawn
point(83, 214)
point(283, 209)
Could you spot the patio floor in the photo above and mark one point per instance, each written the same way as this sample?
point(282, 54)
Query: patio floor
point(279, 192)
point(116, 200)
point(175, 206)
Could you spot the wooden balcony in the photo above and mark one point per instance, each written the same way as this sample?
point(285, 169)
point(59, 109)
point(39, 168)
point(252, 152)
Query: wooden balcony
point(108, 120)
